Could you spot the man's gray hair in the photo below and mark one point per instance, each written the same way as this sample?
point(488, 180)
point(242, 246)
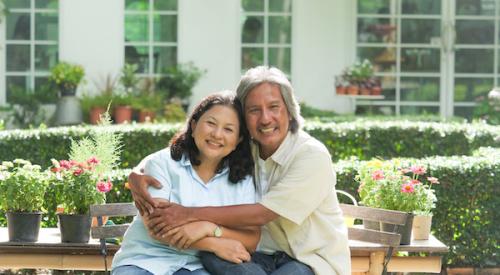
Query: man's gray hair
point(264, 74)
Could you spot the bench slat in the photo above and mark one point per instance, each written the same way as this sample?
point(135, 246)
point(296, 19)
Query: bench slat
point(374, 214)
point(113, 209)
point(109, 231)
point(374, 236)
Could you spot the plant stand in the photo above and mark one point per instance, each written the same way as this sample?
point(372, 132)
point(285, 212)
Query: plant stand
point(68, 111)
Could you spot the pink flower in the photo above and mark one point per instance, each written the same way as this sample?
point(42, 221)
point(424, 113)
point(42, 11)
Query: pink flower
point(433, 180)
point(414, 182)
point(407, 188)
point(405, 170)
point(378, 175)
point(93, 160)
point(418, 170)
point(65, 164)
point(77, 172)
point(104, 186)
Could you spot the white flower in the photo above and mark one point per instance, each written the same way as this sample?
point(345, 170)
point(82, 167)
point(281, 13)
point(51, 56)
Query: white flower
point(7, 164)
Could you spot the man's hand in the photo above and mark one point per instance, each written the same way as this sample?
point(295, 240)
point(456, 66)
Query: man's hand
point(231, 250)
point(167, 216)
point(184, 236)
point(138, 184)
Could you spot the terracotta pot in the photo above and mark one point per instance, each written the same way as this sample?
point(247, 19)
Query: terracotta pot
point(421, 227)
point(340, 90)
point(146, 116)
point(377, 90)
point(352, 90)
point(94, 114)
point(123, 114)
point(364, 91)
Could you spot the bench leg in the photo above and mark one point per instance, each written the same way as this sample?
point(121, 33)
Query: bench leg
point(376, 263)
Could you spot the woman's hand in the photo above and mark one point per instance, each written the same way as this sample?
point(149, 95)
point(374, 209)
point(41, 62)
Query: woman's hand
point(184, 236)
point(231, 250)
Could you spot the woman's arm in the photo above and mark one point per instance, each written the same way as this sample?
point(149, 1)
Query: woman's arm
point(185, 235)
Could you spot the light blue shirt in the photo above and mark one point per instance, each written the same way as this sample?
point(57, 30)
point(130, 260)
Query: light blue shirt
point(181, 184)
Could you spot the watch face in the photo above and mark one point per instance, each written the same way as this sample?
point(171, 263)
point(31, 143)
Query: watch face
point(218, 232)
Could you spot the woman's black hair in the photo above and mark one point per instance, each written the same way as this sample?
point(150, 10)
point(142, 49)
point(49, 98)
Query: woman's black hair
point(239, 161)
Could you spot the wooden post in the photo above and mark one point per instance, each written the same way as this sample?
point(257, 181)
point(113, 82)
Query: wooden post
point(376, 263)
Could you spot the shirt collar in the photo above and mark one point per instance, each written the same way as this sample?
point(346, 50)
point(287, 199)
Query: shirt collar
point(185, 161)
point(281, 153)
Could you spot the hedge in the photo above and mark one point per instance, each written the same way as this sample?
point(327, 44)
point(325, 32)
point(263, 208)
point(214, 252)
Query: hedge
point(364, 139)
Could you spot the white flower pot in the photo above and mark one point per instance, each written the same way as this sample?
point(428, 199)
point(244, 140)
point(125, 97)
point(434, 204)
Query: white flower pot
point(421, 227)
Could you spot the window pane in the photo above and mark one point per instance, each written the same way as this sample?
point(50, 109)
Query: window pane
point(138, 55)
point(45, 57)
point(18, 58)
point(280, 29)
point(136, 28)
point(474, 61)
point(388, 87)
point(463, 112)
point(251, 57)
point(46, 4)
point(252, 5)
point(165, 5)
point(375, 110)
point(137, 5)
point(383, 59)
point(469, 89)
point(165, 28)
point(419, 110)
point(374, 6)
point(420, 60)
point(280, 5)
point(475, 7)
point(420, 30)
point(376, 30)
point(253, 30)
point(280, 58)
point(16, 83)
point(18, 26)
point(421, 7)
point(46, 27)
point(164, 57)
point(17, 4)
point(419, 89)
point(475, 31)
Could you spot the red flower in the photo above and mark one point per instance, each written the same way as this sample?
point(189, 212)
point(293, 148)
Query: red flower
point(407, 188)
point(77, 172)
point(415, 182)
point(418, 170)
point(433, 180)
point(93, 160)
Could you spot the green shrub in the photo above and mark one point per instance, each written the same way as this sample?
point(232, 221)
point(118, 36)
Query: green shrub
point(362, 139)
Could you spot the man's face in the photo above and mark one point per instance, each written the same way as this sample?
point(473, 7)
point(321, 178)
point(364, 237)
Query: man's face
point(267, 117)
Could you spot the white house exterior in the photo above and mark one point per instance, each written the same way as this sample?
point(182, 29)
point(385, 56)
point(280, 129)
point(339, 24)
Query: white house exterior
point(443, 53)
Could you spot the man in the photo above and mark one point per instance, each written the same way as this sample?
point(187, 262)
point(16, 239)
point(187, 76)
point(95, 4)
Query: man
point(298, 207)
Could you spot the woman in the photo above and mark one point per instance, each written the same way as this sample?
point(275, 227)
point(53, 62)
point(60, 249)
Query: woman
point(207, 164)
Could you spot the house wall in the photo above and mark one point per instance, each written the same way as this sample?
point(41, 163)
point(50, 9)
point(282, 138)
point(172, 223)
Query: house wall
point(209, 34)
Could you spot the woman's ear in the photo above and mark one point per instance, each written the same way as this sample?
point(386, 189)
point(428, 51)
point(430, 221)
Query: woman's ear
point(193, 126)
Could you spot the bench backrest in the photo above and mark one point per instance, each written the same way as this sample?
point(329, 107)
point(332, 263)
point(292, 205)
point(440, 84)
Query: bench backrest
point(378, 215)
point(111, 210)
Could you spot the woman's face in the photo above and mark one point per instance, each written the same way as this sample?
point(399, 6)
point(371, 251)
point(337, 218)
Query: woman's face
point(216, 133)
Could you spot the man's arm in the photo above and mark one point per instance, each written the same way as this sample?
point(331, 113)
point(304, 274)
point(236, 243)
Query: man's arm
point(170, 215)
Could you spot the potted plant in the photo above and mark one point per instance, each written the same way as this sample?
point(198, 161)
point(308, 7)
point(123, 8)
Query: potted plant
point(96, 105)
point(360, 79)
point(390, 185)
point(148, 105)
point(123, 100)
point(178, 82)
point(66, 77)
point(22, 193)
point(81, 181)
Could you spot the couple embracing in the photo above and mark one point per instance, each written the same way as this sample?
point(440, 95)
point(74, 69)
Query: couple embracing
point(241, 189)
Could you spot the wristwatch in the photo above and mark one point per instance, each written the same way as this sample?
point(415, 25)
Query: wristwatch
point(218, 232)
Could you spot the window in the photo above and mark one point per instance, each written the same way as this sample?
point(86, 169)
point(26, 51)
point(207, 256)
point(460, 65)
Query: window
point(266, 34)
point(31, 45)
point(434, 57)
point(151, 35)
